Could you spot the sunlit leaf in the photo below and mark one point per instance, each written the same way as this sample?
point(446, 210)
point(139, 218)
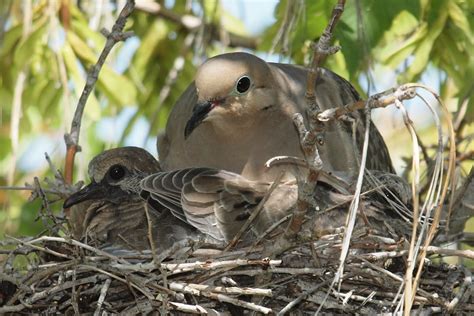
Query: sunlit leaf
point(466, 91)
point(92, 108)
point(80, 28)
point(10, 39)
point(470, 111)
point(233, 24)
point(156, 32)
point(81, 49)
point(422, 52)
point(117, 88)
point(394, 53)
point(459, 18)
point(25, 50)
point(212, 10)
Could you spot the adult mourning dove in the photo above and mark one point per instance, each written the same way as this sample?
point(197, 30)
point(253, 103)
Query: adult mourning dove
point(218, 203)
point(237, 114)
point(113, 213)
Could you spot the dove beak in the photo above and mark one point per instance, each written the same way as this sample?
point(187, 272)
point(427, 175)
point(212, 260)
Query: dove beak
point(200, 112)
point(89, 192)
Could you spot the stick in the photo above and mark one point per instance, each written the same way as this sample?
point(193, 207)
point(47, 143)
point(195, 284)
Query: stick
point(113, 37)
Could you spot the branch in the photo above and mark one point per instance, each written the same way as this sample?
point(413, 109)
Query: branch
point(116, 35)
point(379, 100)
point(313, 135)
point(180, 287)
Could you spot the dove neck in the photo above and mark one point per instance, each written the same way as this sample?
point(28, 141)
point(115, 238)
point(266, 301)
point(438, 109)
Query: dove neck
point(248, 150)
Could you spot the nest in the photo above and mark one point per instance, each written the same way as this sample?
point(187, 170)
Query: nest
point(65, 276)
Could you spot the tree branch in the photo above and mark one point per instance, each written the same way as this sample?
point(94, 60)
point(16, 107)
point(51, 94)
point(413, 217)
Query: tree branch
point(309, 138)
point(72, 138)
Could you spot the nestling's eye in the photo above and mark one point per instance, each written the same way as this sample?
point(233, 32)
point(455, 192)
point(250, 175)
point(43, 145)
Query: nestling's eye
point(243, 84)
point(116, 172)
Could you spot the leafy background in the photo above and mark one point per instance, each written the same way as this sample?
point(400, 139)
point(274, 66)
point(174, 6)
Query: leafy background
point(46, 46)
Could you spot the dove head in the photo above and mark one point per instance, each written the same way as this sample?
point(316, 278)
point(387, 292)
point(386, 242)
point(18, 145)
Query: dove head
point(231, 88)
point(115, 173)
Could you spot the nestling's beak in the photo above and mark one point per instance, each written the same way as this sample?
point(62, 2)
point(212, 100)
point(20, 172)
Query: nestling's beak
point(89, 192)
point(200, 112)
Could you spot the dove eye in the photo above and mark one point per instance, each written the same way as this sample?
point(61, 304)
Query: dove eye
point(243, 84)
point(116, 172)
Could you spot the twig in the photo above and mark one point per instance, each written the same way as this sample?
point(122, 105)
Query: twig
point(379, 100)
point(52, 252)
point(313, 135)
point(192, 309)
point(45, 207)
point(74, 294)
point(73, 242)
point(409, 290)
point(270, 229)
point(29, 187)
point(135, 286)
point(468, 155)
point(154, 264)
point(113, 37)
point(300, 298)
point(12, 308)
point(57, 174)
point(150, 234)
point(351, 217)
point(445, 185)
point(227, 290)
point(103, 293)
point(466, 253)
point(209, 265)
point(60, 287)
point(219, 297)
point(255, 213)
point(466, 284)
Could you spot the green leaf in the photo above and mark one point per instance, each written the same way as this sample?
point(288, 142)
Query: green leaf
point(33, 116)
point(212, 10)
point(117, 88)
point(142, 59)
point(28, 226)
point(470, 111)
point(467, 91)
point(28, 46)
point(5, 146)
point(395, 52)
point(422, 52)
point(365, 23)
point(81, 29)
point(233, 24)
point(81, 49)
point(459, 19)
point(92, 108)
point(449, 57)
point(10, 39)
